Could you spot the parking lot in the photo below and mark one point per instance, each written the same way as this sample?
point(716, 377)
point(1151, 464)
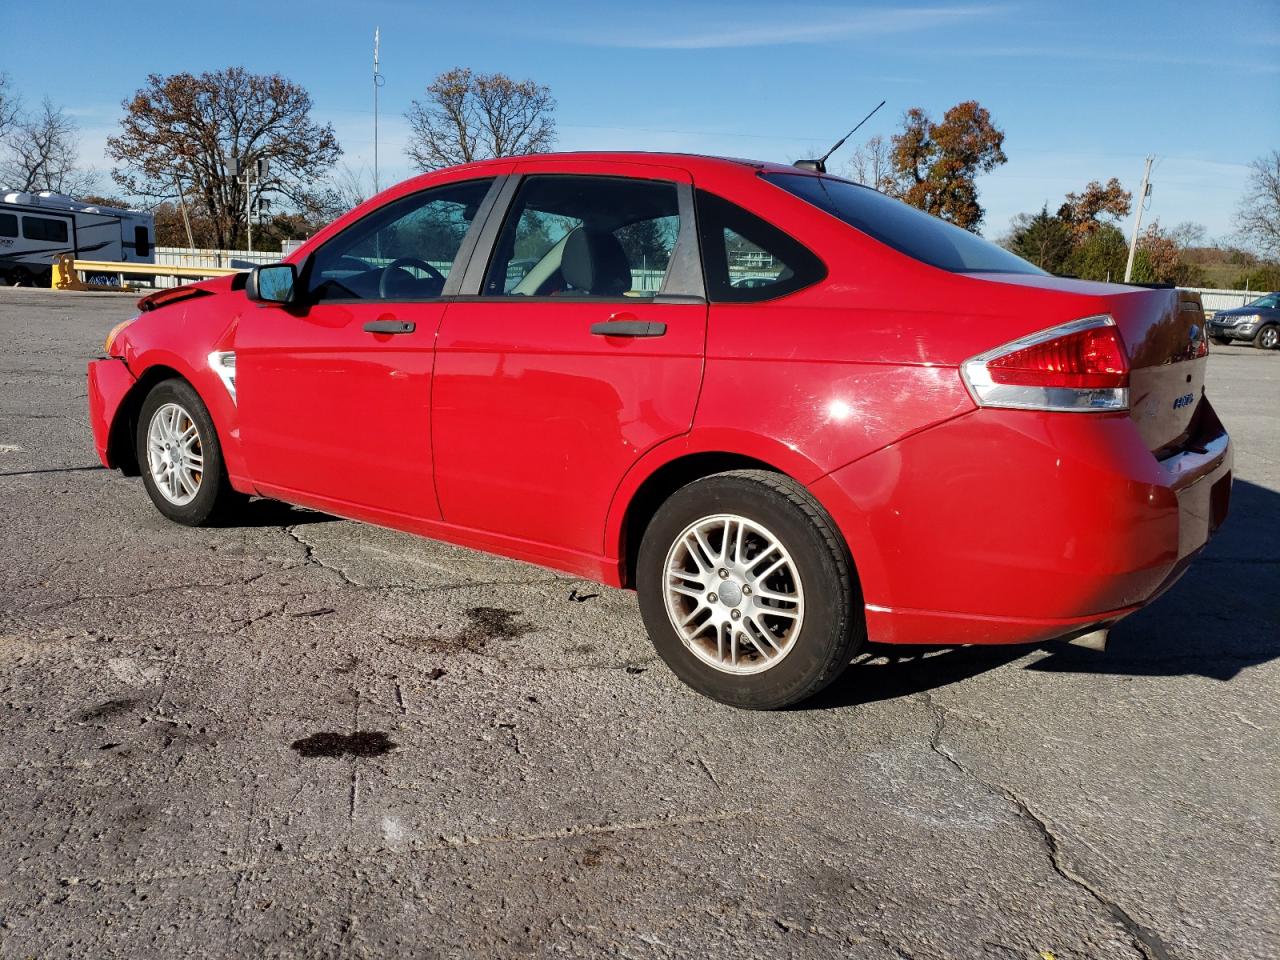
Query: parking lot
point(305, 737)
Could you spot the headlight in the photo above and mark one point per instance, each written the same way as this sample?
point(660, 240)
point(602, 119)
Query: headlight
point(115, 332)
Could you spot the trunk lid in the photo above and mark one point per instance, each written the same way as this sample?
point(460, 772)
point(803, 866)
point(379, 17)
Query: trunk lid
point(1165, 339)
point(1164, 334)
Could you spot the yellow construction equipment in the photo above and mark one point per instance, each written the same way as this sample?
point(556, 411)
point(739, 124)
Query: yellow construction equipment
point(67, 270)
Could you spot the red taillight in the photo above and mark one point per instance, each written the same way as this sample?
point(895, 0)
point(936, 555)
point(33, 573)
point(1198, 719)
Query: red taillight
point(1087, 359)
point(1076, 367)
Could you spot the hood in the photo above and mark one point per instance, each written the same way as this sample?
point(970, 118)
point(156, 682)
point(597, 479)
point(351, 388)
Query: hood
point(1243, 311)
point(189, 291)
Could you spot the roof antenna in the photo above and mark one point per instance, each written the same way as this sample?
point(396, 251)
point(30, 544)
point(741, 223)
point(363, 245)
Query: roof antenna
point(820, 165)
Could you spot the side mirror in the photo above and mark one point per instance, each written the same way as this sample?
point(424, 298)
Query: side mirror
point(273, 283)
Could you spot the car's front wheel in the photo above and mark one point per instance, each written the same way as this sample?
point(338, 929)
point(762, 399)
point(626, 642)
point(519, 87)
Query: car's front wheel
point(180, 457)
point(1268, 338)
point(748, 591)
point(1221, 341)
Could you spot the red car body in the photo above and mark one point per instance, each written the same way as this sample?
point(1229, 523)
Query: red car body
point(509, 427)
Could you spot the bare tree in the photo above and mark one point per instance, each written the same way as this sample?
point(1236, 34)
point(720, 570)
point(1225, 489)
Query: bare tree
point(42, 152)
point(871, 163)
point(1188, 234)
point(344, 190)
point(349, 187)
point(180, 128)
point(475, 116)
point(10, 105)
point(1258, 219)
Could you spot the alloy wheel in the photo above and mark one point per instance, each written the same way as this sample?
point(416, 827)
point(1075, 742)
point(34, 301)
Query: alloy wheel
point(733, 594)
point(175, 454)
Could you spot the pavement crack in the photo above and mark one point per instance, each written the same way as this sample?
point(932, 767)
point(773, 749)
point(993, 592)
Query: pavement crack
point(1147, 941)
point(707, 770)
point(32, 473)
point(276, 610)
point(441, 844)
point(309, 558)
point(134, 594)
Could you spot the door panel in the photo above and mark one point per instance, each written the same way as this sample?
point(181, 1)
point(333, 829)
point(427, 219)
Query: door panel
point(335, 396)
point(536, 419)
point(332, 411)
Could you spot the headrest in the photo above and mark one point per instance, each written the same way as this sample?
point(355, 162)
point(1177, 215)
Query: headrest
point(594, 262)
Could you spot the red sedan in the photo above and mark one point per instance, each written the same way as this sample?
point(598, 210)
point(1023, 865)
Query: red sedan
point(790, 412)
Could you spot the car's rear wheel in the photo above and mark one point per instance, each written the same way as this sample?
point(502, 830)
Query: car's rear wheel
point(1268, 338)
point(180, 457)
point(748, 591)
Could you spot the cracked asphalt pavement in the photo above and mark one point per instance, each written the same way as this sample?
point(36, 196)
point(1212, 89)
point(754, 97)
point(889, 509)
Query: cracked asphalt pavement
point(303, 737)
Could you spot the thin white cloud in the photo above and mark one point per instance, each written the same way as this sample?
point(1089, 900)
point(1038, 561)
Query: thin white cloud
point(813, 25)
point(1105, 56)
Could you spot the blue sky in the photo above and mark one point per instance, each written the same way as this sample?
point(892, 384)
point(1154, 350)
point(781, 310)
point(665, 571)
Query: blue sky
point(1082, 90)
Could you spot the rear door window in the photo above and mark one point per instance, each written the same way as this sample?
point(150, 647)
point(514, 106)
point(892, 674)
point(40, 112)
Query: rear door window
point(585, 237)
point(8, 225)
point(746, 258)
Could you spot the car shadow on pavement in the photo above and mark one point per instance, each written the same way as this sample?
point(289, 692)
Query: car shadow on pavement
point(1220, 618)
point(273, 513)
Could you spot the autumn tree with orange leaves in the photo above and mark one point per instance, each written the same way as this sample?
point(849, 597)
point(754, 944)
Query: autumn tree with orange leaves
point(1084, 212)
point(935, 166)
point(177, 131)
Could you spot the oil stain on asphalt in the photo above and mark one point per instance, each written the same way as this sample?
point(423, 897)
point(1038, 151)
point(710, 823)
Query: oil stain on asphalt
point(489, 623)
point(105, 711)
point(483, 625)
point(363, 743)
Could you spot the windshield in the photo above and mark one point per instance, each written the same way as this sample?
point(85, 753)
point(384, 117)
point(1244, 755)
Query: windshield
point(906, 229)
point(1266, 303)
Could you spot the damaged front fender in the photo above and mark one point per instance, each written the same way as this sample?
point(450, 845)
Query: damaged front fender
point(109, 383)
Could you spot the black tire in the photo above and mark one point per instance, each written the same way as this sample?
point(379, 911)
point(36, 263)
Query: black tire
point(1221, 341)
point(1268, 338)
point(214, 498)
point(833, 626)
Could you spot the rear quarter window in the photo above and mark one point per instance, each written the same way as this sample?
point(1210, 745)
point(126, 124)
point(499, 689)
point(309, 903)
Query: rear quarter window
point(906, 229)
point(747, 259)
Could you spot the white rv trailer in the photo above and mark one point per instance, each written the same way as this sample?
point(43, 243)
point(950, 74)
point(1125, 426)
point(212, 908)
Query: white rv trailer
point(36, 227)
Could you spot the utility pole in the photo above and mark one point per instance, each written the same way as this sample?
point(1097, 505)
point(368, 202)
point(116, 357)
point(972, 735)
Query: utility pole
point(249, 175)
point(377, 82)
point(182, 205)
point(1143, 193)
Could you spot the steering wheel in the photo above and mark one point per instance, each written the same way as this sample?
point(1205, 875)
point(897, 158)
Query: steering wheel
point(400, 262)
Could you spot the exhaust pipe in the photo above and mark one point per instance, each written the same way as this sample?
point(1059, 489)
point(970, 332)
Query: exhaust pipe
point(1094, 640)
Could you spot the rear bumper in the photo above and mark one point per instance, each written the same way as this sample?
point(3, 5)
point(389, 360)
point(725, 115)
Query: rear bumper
point(109, 382)
point(1017, 527)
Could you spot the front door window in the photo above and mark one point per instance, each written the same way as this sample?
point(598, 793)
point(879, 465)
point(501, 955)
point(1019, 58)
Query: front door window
point(402, 251)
